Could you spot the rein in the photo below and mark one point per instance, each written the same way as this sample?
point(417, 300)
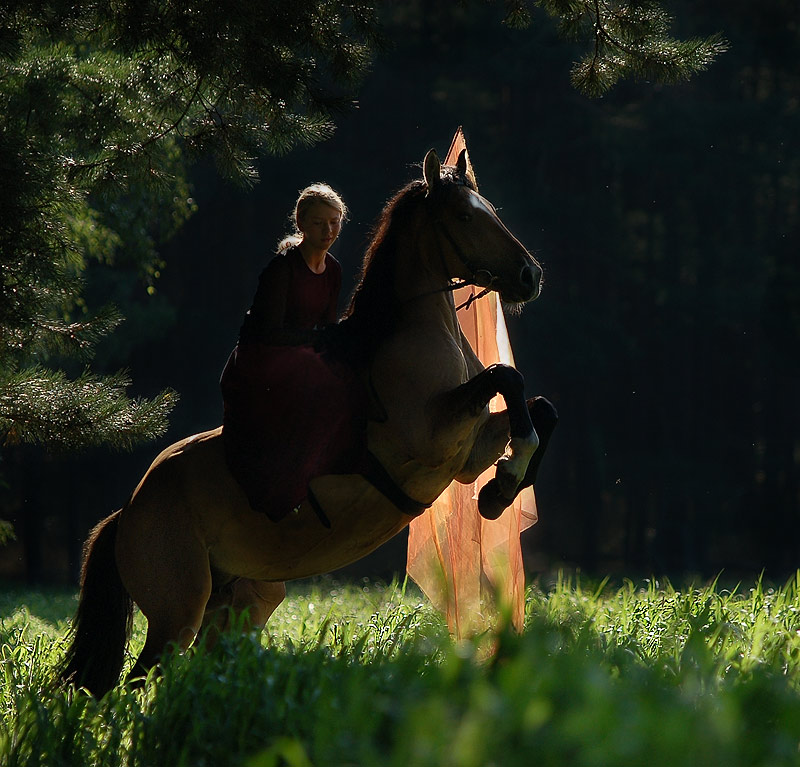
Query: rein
point(474, 297)
point(450, 288)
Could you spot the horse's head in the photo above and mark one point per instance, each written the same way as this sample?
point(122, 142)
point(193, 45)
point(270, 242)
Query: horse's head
point(475, 244)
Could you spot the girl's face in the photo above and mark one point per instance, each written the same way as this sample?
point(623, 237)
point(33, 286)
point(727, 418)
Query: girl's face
point(320, 225)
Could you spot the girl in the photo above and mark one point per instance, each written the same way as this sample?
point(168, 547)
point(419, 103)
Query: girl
point(289, 410)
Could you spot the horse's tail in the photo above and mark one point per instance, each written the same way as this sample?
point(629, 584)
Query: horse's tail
point(102, 624)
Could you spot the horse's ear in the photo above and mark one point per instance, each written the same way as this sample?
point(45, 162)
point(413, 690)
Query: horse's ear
point(431, 170)
point(464, 167)
point(462, 163)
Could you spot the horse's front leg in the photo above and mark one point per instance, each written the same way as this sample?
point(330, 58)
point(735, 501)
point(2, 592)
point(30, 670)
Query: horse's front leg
point(490, 445)
point(468, 401)
point(492, 440)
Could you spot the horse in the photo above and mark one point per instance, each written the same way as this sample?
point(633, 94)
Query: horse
point(192, 554)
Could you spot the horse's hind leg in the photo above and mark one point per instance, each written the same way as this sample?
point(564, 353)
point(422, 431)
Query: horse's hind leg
point(166, 570)
point(167, 630)
point(244, 603)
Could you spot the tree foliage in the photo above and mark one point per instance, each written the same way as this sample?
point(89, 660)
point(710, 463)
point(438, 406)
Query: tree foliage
point(102, 106)
point(629, 40)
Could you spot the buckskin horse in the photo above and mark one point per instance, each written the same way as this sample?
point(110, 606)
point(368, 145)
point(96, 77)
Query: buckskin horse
point(191, 553)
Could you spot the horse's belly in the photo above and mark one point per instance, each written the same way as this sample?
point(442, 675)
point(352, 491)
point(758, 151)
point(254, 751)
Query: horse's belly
point(300, 545)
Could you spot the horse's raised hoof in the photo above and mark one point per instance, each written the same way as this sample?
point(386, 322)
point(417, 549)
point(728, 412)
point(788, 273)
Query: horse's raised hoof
point(543, 415)
point(491, 502)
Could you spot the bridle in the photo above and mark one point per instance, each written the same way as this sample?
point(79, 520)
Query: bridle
point(455, 285)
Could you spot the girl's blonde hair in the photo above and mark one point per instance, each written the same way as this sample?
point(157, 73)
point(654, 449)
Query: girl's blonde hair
point(309, 196)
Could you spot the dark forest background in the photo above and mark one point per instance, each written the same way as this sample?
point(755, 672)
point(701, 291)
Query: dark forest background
point(667, 219)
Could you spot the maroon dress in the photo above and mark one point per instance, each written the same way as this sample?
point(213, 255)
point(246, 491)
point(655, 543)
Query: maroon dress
point(290, 412)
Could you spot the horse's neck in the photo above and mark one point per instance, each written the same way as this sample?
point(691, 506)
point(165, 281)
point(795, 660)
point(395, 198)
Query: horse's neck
point(421, 284)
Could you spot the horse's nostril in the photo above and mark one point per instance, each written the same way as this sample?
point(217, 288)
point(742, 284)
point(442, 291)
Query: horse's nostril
point(527, 278)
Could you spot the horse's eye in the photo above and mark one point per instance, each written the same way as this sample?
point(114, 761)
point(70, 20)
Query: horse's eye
point(464, 217)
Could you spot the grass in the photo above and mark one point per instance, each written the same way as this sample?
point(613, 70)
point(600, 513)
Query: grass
point(365, 674)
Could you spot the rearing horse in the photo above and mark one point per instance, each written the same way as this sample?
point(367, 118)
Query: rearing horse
point(191, 553)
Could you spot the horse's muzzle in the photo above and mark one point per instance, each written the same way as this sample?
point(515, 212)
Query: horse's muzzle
point(527, 287)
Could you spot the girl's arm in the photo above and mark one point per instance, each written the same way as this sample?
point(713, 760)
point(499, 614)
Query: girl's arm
point(269, 305)
point(333, 306)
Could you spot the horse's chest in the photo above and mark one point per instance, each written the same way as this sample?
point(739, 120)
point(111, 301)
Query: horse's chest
point(425, 361)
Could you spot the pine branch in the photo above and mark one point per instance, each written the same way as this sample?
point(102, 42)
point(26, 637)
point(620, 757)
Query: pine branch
point(629, 39)
point(51, 336)
point(43, 407)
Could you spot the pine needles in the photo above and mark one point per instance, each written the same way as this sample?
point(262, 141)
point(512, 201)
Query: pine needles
point(629, 39)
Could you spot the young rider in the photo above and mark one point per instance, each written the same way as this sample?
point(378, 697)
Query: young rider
point(287, 407)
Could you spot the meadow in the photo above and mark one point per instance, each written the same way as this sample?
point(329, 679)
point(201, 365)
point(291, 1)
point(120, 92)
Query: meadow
point(366, 674)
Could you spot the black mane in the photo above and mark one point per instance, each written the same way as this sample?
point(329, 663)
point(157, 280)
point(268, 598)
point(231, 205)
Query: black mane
point(371, 314)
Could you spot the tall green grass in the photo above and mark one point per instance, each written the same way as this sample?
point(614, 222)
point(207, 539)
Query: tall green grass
point(365, 674)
